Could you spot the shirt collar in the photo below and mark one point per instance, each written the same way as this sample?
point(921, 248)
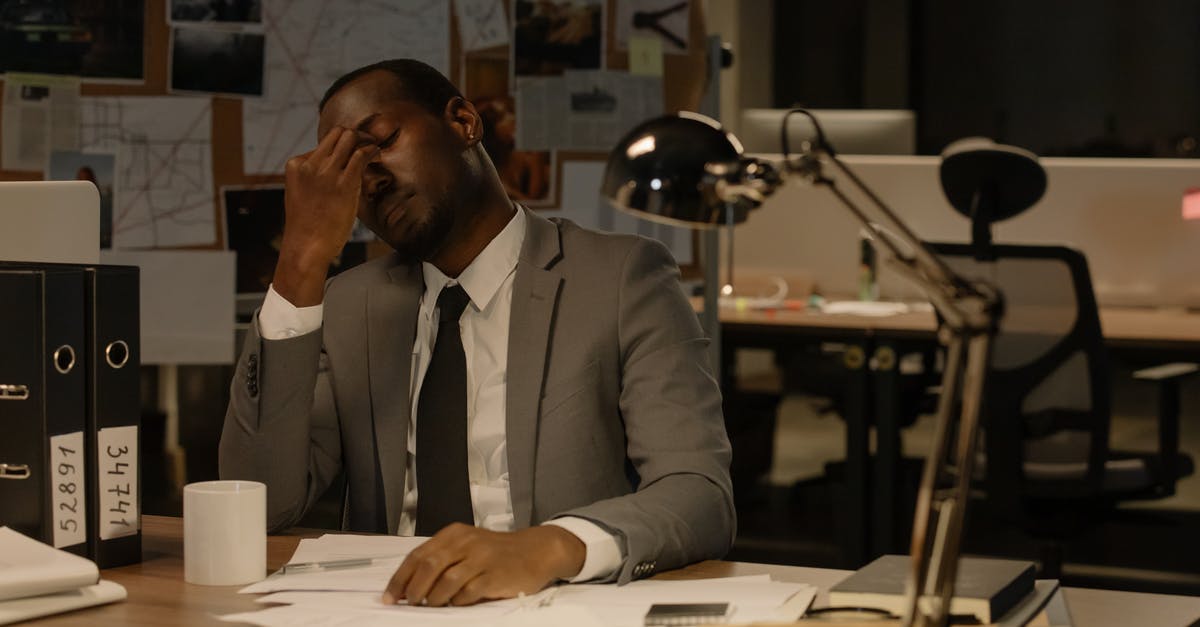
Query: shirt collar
point(487, 272)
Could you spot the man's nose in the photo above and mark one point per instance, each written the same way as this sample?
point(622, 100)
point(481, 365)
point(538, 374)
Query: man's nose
point(376, 179)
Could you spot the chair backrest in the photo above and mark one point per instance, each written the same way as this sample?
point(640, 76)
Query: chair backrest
point(1046, 408)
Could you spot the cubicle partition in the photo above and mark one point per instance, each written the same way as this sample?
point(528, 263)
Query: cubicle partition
point(1126, 215)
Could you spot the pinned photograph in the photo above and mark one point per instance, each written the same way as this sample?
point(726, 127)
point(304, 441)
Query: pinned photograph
point(527, 175)
point(95, 39)
point(217, 61)
point(594, 99)
point(550, 37)
point(665, 20)
point(222, 11)
point(98, 168)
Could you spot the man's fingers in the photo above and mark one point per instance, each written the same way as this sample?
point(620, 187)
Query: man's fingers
point(452, 581)
point(472, 592)
point(340, 155)
point(325, 146)
point(359, 159)
point(399, 581)
point(426, 570)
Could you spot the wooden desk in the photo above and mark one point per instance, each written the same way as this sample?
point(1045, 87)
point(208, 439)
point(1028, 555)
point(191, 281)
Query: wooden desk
point(158, 596)
point(873, 346)
point(1175, 329)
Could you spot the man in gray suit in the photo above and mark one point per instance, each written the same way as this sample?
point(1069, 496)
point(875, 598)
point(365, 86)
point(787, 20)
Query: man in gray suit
point(575, 426)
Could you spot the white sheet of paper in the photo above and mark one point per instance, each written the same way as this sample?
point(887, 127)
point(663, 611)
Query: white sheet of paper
point(340, 546)
point(28, 567)
point(310, 43)
point(18, 610)
point(753, 598)
point(388, 552)
point(373, 578)
point(351, 596)
point(41, 115)
point(186, 306)
point(481, 23)
point(163, 190)
point(313, 616)
point(601, 105)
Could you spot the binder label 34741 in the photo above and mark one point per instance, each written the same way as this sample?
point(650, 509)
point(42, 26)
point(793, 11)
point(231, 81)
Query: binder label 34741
point(68, 493)
point(117, 452)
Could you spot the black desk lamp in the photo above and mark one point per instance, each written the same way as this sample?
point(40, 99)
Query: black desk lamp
point(687, 170)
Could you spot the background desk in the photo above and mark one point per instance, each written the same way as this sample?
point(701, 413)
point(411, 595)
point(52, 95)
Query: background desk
point(873, 346)
point(158, 596)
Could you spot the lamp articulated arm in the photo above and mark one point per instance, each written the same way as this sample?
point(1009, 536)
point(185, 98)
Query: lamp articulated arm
point(686, 170)
point(970, 312)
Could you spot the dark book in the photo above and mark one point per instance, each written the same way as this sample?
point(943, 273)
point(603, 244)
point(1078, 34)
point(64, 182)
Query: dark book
point(984, 587)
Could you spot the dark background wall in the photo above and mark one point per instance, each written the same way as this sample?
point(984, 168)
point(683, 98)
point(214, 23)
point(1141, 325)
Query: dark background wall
point(1065, 78)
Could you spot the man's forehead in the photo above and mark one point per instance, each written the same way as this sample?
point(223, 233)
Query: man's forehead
point(372, 93)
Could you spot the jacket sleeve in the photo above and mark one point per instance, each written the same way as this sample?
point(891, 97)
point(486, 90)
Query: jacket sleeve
point(682, 510)
point(281, 427)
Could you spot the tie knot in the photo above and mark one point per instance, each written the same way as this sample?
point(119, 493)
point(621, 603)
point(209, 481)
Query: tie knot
point(451, 303)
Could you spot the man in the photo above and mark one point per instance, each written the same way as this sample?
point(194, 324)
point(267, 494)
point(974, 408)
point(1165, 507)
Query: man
point(587, 441)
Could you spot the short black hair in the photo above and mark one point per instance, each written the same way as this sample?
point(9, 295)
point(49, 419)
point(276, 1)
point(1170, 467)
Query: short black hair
point(416, 82)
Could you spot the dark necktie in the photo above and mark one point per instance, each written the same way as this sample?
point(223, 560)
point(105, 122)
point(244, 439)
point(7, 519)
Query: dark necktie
point(443, 488)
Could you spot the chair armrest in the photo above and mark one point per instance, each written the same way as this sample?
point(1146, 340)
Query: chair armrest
point(1166, 371)
point(1167, 377)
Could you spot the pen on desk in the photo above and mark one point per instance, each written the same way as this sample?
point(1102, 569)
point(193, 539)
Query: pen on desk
point(326, 565)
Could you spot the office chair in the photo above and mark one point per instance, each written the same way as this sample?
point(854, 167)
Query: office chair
point(1046, 462)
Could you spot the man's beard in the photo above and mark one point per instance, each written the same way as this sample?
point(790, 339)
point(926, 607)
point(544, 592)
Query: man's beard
point(424, 240)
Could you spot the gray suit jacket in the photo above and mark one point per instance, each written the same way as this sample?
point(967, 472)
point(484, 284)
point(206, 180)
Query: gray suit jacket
point(612, 412)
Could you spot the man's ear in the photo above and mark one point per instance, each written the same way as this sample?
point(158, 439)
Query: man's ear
point(462, 117)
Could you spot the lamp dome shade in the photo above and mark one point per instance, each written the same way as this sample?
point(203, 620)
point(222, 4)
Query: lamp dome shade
point(657, 170)
point(989, 182)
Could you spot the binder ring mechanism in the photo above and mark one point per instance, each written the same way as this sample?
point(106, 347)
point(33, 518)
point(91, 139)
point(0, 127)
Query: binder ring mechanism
point(64, 358)
point(14, 471)
point(116, 354)
point(10, 392)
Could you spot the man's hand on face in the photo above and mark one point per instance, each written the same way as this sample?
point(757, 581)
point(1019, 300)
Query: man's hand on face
point(461, 565)
point(322, 192)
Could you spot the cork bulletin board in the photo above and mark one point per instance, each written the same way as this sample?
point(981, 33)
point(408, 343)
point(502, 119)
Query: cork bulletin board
point(488, 75)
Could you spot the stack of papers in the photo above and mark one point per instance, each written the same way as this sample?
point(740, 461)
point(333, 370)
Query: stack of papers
point(37, 580)
point(352, 596)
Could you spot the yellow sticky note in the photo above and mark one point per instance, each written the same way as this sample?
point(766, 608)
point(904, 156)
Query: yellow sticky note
point(645, 56)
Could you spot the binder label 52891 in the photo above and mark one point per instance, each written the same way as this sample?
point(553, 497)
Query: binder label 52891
point(68, 489)
point(117, 453)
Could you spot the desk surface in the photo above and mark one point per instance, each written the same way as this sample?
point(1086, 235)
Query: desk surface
point(158, 595)
point(1121, 325)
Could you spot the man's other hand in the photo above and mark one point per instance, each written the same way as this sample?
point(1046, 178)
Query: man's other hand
point(461, 565)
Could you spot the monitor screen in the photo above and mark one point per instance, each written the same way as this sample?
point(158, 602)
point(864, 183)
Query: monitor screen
point(849, 131)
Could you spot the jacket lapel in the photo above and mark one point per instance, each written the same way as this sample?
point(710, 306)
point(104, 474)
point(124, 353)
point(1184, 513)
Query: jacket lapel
point(391, 330)
point(535, 296)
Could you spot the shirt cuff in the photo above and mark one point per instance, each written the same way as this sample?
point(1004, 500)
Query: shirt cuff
point(602, 555)
point(278, 319)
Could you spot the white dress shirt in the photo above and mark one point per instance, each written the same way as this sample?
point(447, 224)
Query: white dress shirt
point(488, 281)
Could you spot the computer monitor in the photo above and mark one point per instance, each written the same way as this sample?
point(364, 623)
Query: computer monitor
point(850, 131)
point(50, 221)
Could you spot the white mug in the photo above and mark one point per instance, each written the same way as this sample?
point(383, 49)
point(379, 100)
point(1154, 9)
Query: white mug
point(224, 532)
